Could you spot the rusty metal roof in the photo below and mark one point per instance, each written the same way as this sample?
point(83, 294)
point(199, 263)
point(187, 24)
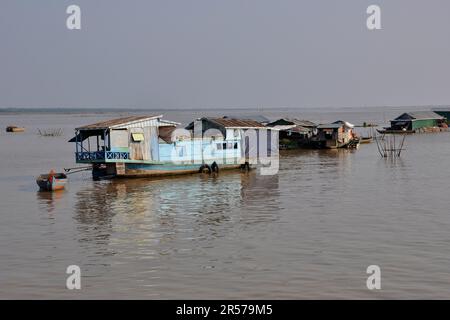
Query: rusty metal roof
point(292, 121)
point(116, 122)
point(258, 117)
point(237, 123)
point(420, 115)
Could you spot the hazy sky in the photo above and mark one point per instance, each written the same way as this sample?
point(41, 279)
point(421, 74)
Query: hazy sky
point(224, 53)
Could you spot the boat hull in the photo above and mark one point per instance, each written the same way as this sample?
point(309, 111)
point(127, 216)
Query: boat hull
point(366, 140)
point(58, 182)
point(390, 131)
point(133, 170)
point(15, 129)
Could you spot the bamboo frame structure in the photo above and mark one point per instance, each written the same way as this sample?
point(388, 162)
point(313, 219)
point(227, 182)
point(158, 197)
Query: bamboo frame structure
point(387, 145)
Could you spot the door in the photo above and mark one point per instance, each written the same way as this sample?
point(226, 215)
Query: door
point(137, 141)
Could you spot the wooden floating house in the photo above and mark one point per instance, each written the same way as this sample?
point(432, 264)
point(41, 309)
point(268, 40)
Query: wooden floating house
point(338, 134)
point(417, 121)
point(294, 133)
point(252, 140)
point(444, 112)
point(150, 146)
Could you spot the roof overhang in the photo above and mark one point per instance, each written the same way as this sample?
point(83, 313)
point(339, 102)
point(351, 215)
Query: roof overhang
point(84, 134)
point(123, 123)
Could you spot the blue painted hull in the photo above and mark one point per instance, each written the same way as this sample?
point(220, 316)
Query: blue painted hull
point(133, 170)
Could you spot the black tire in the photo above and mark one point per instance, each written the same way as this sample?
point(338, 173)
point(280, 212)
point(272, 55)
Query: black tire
point(215, 167)
point(204, 168)
point(245, 167)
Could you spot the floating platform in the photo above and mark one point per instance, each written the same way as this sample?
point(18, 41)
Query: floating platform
point(392, 131)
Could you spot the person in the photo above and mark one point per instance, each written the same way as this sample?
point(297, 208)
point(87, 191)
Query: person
point(51, 175)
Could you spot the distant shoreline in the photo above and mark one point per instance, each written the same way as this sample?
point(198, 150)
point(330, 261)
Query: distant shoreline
point(107, 110)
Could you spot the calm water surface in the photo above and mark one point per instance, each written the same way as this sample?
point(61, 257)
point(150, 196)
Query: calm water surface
point(308, 232)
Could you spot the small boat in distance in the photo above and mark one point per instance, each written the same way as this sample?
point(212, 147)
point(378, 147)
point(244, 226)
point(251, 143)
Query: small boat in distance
point(392, 131)
point(366, 139)
point(14, 129)
point(52, 181)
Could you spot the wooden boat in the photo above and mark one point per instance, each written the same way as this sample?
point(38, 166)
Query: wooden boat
point(391, 131)
point(51, 181)
point(14, 129)
point(353, 143)
point(156, 148)
point(365, 139)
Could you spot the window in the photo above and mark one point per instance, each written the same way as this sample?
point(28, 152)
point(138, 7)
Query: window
point(181, 150)
point(219, 146)
point(137, 137)
point(235, 145)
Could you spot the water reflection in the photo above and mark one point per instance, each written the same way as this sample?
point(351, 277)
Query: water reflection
point(151, 217)
point(48, 200)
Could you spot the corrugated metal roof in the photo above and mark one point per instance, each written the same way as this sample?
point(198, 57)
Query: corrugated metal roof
point(420, 115)
point(118, 122)
point(259, 118)
point(302, 123)
point(293, 121)
point(329, 126)
point(236, 123)
point(284, 127)
point(292, 127)
point(301, 129)
point(335, 125)
point(346, 123)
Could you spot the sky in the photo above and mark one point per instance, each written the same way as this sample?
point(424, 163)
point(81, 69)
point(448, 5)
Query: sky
point(224, 54)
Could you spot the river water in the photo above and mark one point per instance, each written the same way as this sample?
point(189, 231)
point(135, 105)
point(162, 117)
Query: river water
point(309, 231)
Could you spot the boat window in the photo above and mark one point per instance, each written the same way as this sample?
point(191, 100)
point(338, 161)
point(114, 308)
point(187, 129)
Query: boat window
point(181, 150)
point(137, 137)
point(219, 146)
point(235, 145)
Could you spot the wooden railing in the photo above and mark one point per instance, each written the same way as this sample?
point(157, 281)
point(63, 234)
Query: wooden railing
point(101, 155)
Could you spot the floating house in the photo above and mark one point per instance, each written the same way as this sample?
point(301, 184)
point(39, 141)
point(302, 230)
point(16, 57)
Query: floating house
point(294, 133)
point(150, 146)
point(444, 112)
point(253, 140)
point(417, 121)
point(338, 134)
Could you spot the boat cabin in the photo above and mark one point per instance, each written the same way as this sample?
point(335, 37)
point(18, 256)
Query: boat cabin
point(416, 121)
point(134, 138)
point(252, 140)
point(338, 134)
point(294, 133)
